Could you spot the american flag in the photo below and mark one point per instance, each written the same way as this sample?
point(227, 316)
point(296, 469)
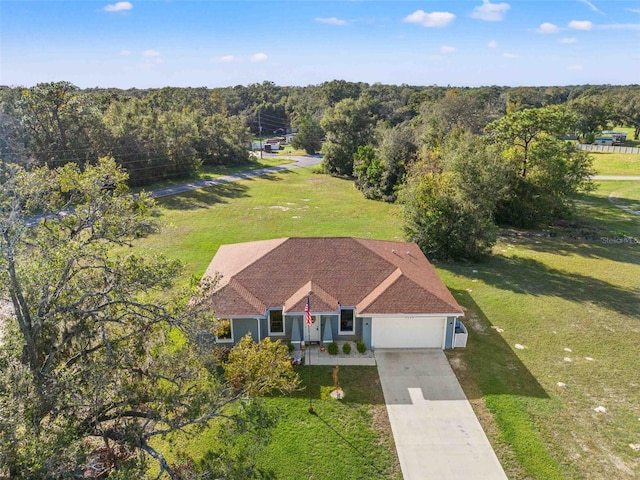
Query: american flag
point(307, 313)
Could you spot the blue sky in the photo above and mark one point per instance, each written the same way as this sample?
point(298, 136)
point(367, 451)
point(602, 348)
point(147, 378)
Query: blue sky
point(156, 43)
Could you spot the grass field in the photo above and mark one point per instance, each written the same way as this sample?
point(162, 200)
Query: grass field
point(605, 163)
point(208, 172)
point(343, 439)
point(572, 300)
point(570, 296)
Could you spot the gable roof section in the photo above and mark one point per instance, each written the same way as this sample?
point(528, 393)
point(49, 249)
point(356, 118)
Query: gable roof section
point(320, 300)
point(375, 276)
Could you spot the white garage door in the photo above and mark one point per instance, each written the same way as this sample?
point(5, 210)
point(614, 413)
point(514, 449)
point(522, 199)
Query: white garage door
point(408, 332)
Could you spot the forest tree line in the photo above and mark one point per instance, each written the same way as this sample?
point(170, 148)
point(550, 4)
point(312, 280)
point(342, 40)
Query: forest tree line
point(431, 146)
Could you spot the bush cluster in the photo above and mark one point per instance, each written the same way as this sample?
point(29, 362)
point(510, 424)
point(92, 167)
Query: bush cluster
point(332, 348)
point(346, 348)
point(361, 347)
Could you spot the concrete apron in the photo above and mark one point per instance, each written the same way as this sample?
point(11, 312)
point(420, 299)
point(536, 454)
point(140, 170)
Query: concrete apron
point(436, 432)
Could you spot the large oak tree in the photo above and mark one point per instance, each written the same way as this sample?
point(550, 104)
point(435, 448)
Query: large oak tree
point(95, 355)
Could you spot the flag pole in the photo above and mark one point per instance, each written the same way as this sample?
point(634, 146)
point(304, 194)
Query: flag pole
point(309, 369)
point(309, 321)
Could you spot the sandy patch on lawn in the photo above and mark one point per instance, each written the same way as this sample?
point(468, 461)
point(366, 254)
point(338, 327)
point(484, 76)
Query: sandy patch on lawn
point(457, 363)
point(475, 323)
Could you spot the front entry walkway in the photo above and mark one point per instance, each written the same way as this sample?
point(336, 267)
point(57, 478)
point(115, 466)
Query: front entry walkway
point(314, 356)
point(436, 432)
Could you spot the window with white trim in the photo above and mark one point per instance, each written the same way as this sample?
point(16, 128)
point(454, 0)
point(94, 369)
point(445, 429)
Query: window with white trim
point(347, 320)
point(223, 331)
point(276, 322)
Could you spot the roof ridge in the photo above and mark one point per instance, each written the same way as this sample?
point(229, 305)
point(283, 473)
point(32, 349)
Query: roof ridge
point(382, 286)
point(306, 289)
point(442, 295)
point(324, 295)
point(247, 295)
point(213, 272)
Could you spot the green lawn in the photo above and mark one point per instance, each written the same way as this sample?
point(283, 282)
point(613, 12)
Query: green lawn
point(568, 295)
point(208, 172)
point(343, 439)
point(349, 438)
point(606, 163)
point(573, 301)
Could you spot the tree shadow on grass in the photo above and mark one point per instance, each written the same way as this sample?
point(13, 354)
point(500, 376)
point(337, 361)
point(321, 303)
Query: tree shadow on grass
point(347, 443)
point(204, 197)
point(361, 384)
point(531, 277)
point(616, 248)
point(489, 360)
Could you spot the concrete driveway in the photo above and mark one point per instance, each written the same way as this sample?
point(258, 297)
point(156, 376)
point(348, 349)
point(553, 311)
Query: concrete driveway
point(436, 432)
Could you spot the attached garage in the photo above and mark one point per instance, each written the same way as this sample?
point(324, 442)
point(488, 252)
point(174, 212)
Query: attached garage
point(408, 332)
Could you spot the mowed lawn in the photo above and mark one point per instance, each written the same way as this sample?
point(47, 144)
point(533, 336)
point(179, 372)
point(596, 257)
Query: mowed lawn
point(555, 330)
point(343, 439)
point(606, 163)
point(553, 319)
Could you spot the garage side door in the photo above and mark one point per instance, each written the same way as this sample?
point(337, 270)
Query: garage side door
point(408, 332)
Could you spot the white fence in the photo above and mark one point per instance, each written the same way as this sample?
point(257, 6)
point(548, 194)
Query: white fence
point(608, 148)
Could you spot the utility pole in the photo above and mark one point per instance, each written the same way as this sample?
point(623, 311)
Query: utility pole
point(260, 133)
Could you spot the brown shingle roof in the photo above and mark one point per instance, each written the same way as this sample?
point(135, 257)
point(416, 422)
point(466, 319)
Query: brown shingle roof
point(375, 276)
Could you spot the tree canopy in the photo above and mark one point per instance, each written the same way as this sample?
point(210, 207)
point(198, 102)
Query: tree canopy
point(96, 353)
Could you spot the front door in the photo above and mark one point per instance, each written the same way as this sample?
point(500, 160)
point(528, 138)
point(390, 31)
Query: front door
point(312, 332)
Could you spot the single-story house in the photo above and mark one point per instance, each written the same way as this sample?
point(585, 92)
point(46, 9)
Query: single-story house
point(384, 293)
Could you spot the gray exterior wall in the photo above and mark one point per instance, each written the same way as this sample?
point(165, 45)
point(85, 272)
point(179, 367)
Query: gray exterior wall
point(289, 322)
point(363, 329)
point(333, 321)
point(264, 328)
point(365, 325)
point(242, 326)
point(450, 330)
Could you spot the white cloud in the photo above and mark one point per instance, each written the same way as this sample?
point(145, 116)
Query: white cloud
point(448, 49)
point(580, 25)
point(568, 40)
point(151, 53)
point(492, 44)
point(491, 12)
point(259, 57)
point(591, 6)
point(332, 21)
point(633, 10)
point(510, 55)
point(125, 53)
point(224, 59)
point(574, 68)
point(548, 28)
point(434, 19)
point(119, 7)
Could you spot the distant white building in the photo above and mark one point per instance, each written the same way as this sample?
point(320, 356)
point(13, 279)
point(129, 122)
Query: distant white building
point(604, 141)
point(619, 138)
